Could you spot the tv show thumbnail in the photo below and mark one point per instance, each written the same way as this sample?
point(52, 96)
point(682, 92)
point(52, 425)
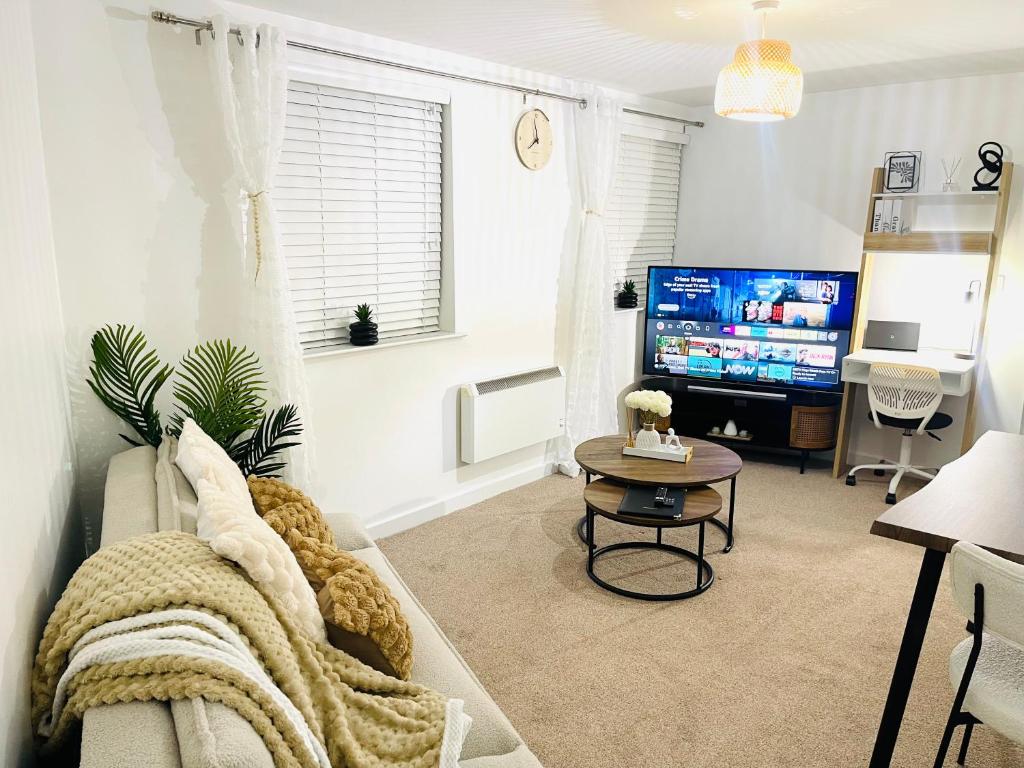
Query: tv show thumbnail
point(771, 351)
point(816, 355)
point(741, 350)
point(779, 372)
point(706, 367)
point(804, 314)
point(756, 311)
point(739, 370)
point(696, 347)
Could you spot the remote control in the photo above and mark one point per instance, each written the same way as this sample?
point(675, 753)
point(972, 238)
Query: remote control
point(661, 497)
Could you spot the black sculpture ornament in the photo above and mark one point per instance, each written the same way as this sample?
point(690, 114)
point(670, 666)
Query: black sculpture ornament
point(991, 155)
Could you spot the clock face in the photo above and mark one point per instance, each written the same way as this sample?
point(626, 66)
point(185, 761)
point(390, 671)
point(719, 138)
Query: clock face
point(534, 140)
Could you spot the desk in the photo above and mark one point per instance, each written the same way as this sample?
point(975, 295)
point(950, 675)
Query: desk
point(977, 498)
point(955, 374)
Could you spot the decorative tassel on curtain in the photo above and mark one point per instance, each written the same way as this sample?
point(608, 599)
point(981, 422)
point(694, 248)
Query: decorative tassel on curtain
point(586, 339)
point(250, 78)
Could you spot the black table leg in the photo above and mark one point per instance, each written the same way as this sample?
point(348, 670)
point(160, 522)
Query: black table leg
point(723, 527)
point(581, 524)
point(906, 661)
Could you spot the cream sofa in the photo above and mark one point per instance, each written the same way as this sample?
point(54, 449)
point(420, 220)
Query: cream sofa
point(144, 494)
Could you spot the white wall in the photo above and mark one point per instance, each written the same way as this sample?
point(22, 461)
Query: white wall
point(794, 194)
point(41, 541)
point(145, 234)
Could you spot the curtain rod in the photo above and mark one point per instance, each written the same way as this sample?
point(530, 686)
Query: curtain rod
point(207, 26)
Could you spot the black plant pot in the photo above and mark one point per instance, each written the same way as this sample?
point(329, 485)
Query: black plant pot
point(362, 333)
point(626, 300)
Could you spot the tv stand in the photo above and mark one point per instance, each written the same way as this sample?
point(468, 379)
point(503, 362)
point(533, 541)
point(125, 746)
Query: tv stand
point(774, 417)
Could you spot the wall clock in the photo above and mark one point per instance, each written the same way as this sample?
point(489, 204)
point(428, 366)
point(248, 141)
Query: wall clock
point(534, 141)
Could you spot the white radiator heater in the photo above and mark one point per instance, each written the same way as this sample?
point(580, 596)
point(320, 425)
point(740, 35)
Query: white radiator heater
point(501, 415)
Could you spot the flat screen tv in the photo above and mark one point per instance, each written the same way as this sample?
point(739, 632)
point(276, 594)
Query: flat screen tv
point(768, 327)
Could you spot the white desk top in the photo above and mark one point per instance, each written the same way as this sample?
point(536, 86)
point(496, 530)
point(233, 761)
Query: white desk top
point(941, 360)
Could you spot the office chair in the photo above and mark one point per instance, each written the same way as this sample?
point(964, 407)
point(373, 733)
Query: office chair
point(987, 669)
point(906, 397)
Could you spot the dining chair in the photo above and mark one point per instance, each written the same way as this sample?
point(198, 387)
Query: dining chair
point(987, 669)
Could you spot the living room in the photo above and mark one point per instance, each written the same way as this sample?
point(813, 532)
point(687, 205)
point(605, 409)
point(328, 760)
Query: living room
point(512, 191)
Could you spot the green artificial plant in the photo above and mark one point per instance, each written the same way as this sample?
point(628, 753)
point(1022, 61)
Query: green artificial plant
point(629, 287)
point(363, 313)
point(220, 386)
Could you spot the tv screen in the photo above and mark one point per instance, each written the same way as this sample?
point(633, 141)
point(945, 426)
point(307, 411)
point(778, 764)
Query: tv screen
point(779, 327)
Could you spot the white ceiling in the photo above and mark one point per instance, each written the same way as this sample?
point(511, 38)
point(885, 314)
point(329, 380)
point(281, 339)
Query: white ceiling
point(673, 49)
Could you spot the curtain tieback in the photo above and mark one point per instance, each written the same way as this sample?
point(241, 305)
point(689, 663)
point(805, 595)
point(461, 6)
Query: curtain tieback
point(253, 200)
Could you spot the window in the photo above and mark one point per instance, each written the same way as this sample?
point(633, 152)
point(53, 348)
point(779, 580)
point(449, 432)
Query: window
point(641, 221)
point(358, 195)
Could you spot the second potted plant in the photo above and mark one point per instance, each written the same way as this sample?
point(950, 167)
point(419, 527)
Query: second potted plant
point(363, 332)
point(627, 297)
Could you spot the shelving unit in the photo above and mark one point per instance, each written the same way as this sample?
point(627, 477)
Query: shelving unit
point(938, 242)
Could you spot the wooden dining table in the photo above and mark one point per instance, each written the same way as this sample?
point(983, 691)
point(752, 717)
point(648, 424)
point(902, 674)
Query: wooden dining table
point(979, 498)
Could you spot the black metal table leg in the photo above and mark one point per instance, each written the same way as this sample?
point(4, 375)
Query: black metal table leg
point(700, 553)
point(723, 527)
point(906, 661)
point(581, 523)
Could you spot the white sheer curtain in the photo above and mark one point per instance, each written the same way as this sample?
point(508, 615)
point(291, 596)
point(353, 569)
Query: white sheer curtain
point(585, 337)
point(250, 77)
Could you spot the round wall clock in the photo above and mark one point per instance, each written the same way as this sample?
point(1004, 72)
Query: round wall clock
point(534, 140)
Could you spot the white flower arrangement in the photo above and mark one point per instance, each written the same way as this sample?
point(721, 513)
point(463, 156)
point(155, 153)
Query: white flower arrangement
point(650, 403)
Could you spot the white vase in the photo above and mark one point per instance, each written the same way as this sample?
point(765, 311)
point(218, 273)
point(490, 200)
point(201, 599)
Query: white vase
point(648, 437)
point(730, 429)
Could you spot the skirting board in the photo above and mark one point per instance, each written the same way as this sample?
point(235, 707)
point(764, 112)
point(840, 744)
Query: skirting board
point(477, 492)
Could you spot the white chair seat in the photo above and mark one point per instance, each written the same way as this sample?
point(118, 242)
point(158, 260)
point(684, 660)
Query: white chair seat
point(996, 693)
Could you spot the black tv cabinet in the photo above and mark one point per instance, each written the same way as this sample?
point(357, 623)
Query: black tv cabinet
point(774, 417)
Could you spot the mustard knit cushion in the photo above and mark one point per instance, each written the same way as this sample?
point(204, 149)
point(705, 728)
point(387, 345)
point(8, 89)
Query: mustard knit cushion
point(363, 618)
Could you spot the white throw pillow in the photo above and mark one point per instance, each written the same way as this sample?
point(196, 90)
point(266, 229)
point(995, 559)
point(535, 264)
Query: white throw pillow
point(227, 520)
point(199, 456)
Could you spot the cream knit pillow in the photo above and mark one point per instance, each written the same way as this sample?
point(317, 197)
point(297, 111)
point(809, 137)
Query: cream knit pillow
point(228, 521)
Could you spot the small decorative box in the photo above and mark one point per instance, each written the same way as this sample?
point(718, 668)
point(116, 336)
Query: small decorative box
point(682, 455)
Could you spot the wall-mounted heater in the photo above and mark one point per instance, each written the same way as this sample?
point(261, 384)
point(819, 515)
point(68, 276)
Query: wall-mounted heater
point(501, 415)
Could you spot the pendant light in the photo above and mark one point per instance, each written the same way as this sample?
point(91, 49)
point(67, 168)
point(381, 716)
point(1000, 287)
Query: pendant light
point(761, 84)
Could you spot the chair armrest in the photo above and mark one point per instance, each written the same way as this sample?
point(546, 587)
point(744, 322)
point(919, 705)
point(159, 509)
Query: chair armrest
point(349, 533)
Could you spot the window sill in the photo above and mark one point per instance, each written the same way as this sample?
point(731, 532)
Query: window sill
point(399, 342)
point(622, 311)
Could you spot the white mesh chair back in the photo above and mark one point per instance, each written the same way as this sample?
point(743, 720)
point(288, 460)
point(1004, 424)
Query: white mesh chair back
point(1003, 581)
point(903, 392)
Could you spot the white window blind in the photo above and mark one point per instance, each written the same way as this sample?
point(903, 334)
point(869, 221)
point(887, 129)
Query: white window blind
point(358, 195)
point(641, 221)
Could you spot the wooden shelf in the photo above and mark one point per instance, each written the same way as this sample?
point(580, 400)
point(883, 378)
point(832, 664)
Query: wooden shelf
point(938, 195)
point(929, 242)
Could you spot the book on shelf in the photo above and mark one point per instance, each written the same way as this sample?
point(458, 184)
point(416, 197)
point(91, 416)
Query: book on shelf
point(896, 222)
point(876, 215)
point(887, 215)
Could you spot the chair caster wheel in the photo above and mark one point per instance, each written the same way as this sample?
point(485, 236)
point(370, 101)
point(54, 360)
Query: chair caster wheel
point(890, 498)
point(851, 479)
point(879, 473)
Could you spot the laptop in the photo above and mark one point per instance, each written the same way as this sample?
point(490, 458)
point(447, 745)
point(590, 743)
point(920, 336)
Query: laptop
point(886, 334)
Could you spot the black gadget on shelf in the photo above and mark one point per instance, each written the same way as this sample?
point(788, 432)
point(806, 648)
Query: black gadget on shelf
point(644, 501)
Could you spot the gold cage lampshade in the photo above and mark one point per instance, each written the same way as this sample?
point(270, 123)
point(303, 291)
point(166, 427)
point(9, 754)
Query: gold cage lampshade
point(761, 84)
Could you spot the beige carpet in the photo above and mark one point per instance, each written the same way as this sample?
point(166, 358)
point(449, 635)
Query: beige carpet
point(784, 661)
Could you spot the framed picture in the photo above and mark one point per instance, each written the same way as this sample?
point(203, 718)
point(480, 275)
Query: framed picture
point(901, 172)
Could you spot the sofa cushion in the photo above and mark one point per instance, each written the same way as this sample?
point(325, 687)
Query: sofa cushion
point(129, 499)
point(521, 757)
point(211, 735)
point(129, 733)
point(439, 666)
point(176, 500)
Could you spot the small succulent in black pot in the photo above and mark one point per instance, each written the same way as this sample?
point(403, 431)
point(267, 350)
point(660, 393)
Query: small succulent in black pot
point(627, 297)
point(363, 332)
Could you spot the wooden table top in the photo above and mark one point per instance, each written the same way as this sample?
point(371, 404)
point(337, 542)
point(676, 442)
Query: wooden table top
point(604, 497)
point(710, 463)
point(977, 498)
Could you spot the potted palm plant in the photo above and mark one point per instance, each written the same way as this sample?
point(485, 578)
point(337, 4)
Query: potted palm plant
point(627, 297)
point(363, 332)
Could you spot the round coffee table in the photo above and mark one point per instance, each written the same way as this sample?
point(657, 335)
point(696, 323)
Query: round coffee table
point(603, 498)
point(710, 463)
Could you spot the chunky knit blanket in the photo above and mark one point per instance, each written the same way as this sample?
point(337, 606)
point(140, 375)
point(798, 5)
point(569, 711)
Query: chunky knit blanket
point(358, 716)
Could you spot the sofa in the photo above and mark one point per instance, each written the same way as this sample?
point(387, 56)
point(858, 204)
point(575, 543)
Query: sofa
point(144, 493)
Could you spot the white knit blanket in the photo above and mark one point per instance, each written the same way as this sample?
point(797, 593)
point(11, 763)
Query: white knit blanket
point(178, 632)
